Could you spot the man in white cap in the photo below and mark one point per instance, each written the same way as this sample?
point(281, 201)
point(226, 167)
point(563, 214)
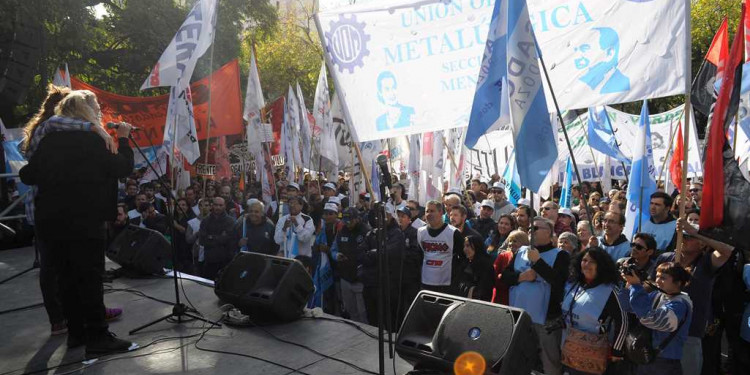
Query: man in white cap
point(502, 206)
point(484, 223)
point(330, 191)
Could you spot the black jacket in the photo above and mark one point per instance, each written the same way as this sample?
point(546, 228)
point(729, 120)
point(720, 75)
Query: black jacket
point(158, 222)
point(347, 244)
point(75, 164)
point(217, 239)
point(368, 271)
point(413, 257)
point(484, 226)
point(259, 237)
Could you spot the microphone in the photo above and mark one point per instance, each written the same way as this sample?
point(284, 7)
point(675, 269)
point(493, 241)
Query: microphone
point(382, 161)
point(115, 125)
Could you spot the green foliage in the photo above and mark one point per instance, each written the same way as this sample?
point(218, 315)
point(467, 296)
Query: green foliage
point(287, 54)
point(117, 52)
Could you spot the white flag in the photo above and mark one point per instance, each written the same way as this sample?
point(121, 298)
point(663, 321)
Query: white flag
point(62, 77)
point(191, 41)
point(252, 114)
point(322, 114)
point(605, 52)
point(305, 132)
point(292, 110)
point(286, 144)
point(180, 125)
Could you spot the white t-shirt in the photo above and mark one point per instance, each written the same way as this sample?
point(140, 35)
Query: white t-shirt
point(438, 255)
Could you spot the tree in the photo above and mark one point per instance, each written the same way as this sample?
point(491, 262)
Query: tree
point(117, 52)
point(288, 54)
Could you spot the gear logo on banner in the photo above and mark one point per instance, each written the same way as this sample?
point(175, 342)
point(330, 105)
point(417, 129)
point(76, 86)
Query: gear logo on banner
point(347, 43)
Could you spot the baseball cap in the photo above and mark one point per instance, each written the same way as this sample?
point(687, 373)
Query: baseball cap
point(524, 202)
point(404, 210)
point(350, 214)
point(293, 185)
point(331, 207)
point(329, 185)
point(453, 191)
point(566, 211)
point(498, 185)
point(488, 203)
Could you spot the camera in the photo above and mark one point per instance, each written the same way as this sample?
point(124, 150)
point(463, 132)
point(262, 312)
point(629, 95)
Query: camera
point(629, 267)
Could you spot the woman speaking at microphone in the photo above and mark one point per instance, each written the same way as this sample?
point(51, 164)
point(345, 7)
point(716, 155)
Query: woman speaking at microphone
point(66, 165)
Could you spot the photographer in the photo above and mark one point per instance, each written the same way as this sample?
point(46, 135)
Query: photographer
point(641, 259)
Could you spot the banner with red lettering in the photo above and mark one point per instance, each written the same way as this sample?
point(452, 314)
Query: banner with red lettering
point(150, 113)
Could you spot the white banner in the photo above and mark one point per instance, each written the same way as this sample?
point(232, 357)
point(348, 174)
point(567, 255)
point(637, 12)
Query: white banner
point(605, 52)
point(403, 67)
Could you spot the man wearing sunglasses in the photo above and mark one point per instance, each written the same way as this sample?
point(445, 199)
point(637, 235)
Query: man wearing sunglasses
point(536, 276)
point(641, 258)
point(696, 192)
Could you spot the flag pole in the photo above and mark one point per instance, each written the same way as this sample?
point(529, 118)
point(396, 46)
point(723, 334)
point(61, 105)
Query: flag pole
point(672, 135)
point(208, 119)
point(565, 131)
point(614, 136)
point(686, 133)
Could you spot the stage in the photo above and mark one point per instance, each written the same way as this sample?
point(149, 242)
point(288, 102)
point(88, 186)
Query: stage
point(27, 346)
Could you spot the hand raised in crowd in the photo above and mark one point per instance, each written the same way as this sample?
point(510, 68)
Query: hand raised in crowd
point(528, 275)
point(683, 225)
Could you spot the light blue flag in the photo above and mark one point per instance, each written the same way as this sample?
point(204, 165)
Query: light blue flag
point(534, 137)
point(485, 111)
point(642, 177)
point(601, 135)
point(375, 173)
point(565, 196)
point(512, 181)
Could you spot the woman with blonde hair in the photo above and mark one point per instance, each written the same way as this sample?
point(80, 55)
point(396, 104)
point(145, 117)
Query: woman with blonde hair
point(64, 164)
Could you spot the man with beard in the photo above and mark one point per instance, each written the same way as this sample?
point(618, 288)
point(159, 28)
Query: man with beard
point(216, 238)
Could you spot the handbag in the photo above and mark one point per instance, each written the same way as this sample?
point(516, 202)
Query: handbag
point(584, 351)
point(638, 342)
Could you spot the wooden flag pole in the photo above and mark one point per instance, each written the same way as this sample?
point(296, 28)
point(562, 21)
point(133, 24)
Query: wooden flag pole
point(686, 133)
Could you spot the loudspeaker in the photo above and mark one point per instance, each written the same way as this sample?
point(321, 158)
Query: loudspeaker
point(140, 249)
point(265, 286)
point(440, 327)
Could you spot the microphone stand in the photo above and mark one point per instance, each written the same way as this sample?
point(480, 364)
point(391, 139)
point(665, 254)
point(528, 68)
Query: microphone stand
point(179, 309)
point(384, 298)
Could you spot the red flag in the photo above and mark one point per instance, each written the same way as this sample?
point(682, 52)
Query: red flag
point(712, 205)
point(702, 93)
point(675, 166)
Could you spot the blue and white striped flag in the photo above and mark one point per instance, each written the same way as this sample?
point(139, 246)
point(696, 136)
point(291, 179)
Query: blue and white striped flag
point(533, 134)
point(642, 177)
point(512, 181)
point(565, 196)
point(486, 109)
point(601, 135)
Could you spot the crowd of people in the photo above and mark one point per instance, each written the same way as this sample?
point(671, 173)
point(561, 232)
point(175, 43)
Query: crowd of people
point(589, 290)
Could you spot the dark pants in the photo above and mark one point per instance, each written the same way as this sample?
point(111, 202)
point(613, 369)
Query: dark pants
point(49, 281)
point(661, 366)
point(80, 262)
point(446, 289)
point(711, 344)
point(394, 316)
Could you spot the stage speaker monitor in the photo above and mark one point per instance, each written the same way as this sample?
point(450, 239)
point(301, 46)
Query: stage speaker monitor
point(265, 286)
point(439, 327)
point(140, 249)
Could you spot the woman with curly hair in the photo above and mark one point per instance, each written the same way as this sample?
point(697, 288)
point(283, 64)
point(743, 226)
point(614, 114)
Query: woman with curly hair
point(591, 314)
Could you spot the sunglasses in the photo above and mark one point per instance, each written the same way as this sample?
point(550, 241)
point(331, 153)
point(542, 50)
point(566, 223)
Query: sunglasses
point(536, 227)
point(694, 190)
point(547, 208)
point(638, 247)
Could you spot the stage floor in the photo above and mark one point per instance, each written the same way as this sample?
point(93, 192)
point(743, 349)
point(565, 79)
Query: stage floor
point(27, 346)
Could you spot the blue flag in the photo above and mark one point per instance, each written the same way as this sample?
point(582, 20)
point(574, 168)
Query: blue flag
point(565, 195)
point(601, 135)
point(642, 177)
point(485, 110)
point(512, 184)
point(375, 173)
point(534, 137)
